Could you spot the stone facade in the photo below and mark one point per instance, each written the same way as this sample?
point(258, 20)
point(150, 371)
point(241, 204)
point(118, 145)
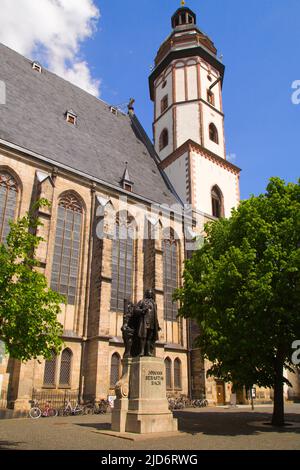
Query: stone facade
point(92, 331)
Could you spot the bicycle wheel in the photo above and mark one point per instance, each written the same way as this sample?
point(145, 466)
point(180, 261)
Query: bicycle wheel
point(52, 413)
point(88, 410)
point(35, 413)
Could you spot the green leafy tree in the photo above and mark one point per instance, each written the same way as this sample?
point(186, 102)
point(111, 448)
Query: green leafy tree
point(243, 289)
point(28, 308)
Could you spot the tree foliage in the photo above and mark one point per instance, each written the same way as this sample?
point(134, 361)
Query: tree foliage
point(243, 288)
point(28, 308)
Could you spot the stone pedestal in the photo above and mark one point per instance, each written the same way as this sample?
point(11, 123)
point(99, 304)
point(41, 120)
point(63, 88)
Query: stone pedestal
point(120, 409)
point(145, 410)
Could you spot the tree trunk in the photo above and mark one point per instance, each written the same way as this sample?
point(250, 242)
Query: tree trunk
point(278, 410)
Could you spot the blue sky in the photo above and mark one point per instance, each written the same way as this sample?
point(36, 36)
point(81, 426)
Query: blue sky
point(260, 42)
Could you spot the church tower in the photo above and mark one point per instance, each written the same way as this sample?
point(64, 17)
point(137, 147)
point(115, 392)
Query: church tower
point(186, 88)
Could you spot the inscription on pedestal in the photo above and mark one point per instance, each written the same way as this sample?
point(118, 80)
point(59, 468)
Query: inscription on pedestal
point(155, 377)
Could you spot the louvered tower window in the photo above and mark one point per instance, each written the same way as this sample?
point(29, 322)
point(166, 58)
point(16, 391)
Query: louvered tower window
point(217, 202)
point(164, 139)
point(213, 133)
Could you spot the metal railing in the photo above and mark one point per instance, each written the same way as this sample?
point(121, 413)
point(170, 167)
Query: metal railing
point(3, 399)
point(55, 397)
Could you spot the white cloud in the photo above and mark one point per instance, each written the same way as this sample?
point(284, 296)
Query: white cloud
point(52, 31)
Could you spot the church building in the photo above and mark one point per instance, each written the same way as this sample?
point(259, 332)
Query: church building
point(115, 226)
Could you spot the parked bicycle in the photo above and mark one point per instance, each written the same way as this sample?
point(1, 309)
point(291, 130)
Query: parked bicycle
point(97, 408)
point(103, 407)
point(199, 403)
point(179, 403)
point(71, 410)
point(47, 411)
point(175, 404)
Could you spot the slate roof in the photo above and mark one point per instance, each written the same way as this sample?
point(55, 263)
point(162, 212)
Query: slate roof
point(34, 118)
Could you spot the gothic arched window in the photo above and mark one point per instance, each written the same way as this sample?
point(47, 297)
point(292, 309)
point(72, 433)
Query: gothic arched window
point(170, 271)
point(217, 202)
point(115, 369)
point(50, 371)
point(177, 374)
point(8, 202)
point(168, 366)
point(65, 368)
point(213, 133)
point(164, 139)
point(66, 258)
point(122, 261)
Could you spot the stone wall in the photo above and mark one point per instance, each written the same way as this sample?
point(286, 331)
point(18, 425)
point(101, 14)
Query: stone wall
point(91, 330)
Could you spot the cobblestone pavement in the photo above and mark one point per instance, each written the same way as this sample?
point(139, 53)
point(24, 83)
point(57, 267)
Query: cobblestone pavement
point(205, 428)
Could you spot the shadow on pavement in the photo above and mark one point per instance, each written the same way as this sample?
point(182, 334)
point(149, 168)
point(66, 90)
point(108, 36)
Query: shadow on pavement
point(9, 445)
point(216, 423)
point(231, 424)
point(98, 426)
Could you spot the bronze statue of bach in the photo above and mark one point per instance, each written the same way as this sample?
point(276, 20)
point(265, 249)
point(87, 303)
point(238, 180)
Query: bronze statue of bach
point(140, 326)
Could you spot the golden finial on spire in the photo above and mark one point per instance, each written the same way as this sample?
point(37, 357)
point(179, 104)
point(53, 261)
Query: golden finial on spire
point(182, 3)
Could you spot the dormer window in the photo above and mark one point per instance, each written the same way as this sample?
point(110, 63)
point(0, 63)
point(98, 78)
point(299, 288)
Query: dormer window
point(71, 117)
point(126, 181)
point(37, 67)
point(128, 187)
point(113, 110)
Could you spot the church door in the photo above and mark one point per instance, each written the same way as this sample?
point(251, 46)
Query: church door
point(220, 392)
